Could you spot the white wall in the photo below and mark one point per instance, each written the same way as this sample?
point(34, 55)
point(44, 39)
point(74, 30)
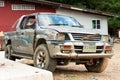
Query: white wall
point(85, 19)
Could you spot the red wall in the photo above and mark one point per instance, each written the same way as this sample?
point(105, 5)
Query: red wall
point(9, 16)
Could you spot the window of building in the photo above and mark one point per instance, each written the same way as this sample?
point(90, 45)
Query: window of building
point(96, 24)
point(23, 7)
point(2, 3)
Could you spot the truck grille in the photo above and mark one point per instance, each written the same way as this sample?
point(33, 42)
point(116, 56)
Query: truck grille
point(79, 49)
point(78, 36)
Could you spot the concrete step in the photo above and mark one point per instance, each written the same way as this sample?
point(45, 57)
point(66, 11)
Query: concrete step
point(10, 70)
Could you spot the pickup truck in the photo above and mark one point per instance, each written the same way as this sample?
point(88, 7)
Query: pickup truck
point(51, 39)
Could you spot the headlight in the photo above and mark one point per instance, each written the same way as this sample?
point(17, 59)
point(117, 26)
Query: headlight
point(105, 38)
point(56, 35)
point(61, 36)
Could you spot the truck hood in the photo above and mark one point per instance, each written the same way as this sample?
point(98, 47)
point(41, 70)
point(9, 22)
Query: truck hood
point(67, 29)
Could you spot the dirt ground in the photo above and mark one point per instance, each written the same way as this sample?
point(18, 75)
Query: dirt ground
point(79, 72)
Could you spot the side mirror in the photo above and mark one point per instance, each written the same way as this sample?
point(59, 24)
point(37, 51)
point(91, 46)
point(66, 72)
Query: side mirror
point(82, 26)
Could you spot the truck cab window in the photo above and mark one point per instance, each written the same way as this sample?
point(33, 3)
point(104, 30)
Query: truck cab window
point(23, 23)
point(30, 23)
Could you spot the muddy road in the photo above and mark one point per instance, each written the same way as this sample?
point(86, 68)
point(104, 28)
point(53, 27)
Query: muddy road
point(79, 72)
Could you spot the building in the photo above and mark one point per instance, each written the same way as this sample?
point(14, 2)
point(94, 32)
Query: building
point(11, 10)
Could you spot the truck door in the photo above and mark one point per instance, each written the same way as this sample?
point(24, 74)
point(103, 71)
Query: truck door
point(25, 36)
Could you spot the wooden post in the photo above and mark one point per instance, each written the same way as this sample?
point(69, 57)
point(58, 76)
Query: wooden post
point(1, 40)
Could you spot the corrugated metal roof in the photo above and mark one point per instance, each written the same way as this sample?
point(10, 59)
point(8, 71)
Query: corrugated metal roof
point(59, 5)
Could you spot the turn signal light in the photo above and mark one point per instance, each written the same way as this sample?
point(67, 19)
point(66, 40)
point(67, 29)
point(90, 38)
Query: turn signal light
point(108, 48)
point(66, 48)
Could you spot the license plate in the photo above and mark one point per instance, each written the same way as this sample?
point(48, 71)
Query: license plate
point(89, 48)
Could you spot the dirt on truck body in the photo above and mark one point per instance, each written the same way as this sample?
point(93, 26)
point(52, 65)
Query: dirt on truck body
point(51, 39)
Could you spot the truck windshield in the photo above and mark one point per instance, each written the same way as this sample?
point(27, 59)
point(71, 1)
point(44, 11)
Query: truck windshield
point(57, 20)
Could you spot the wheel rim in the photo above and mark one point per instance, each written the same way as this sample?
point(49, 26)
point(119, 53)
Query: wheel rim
point(41, 59)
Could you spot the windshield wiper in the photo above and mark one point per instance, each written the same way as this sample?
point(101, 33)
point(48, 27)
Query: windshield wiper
point(76, 26)
point(58, 24)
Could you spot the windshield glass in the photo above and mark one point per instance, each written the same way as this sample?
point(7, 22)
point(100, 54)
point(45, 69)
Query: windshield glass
point(57, 20)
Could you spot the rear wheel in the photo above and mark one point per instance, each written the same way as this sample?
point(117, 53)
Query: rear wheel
point(98, 65)
point(43, 60)
point(8, 52)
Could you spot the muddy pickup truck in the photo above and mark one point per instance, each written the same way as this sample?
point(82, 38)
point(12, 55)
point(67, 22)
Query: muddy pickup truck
point(51, 39)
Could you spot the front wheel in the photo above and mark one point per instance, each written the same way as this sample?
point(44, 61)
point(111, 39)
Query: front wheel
point(99, 65)
point(42, 58)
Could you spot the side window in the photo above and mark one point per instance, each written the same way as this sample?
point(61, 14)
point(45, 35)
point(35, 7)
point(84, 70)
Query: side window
point(30, 23)
point(96, 24)
point(23, 23)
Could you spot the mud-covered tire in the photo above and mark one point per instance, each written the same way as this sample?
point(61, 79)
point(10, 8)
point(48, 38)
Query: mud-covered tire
point(97, 66)
point(42, 58)
point(8, 51)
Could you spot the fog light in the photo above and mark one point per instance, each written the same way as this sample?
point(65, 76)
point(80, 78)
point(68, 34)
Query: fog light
point(66, 51)
point(108, 52)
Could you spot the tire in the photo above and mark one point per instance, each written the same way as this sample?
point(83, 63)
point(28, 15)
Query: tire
point(43, 60)
point(8, 51)
point(98, 65)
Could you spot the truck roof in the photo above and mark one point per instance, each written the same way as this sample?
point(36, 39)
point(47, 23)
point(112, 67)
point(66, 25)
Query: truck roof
point(44, 13)
point(40, 13)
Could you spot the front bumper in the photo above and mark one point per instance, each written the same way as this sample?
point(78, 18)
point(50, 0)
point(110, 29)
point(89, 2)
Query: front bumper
point(55, 50)
point(82, 56)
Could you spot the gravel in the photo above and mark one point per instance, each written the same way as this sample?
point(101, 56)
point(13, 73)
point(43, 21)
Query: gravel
point(79, 72)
